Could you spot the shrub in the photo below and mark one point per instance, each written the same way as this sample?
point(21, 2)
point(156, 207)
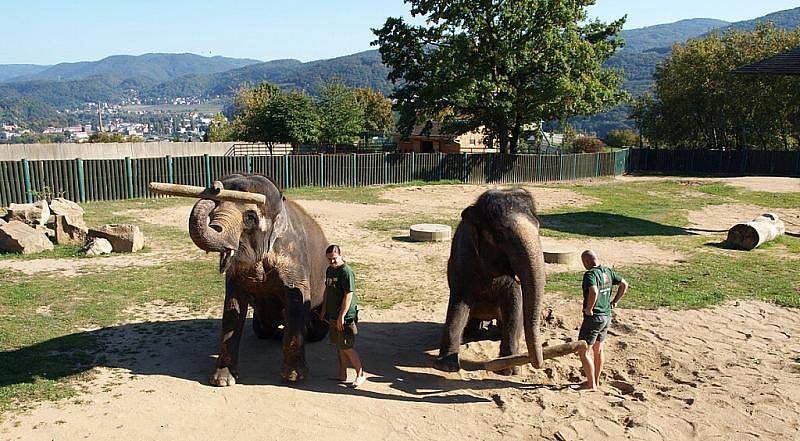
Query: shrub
point(587, 144)
point(622, 138)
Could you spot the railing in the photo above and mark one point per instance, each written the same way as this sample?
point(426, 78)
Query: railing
point(110, 179)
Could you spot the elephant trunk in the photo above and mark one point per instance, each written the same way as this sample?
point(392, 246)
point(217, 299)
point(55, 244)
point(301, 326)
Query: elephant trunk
point(217, 232)
point(527, 261)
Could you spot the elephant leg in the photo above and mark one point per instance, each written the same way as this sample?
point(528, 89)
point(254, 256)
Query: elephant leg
point(233, 319)
point(294, 356)
point(457, 316)
point(511, 325)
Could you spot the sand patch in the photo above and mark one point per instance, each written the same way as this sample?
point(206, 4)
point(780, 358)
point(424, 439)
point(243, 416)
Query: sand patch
point(726, 372)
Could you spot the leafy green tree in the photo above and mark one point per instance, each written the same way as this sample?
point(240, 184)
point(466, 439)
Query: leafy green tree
point(378, 117)
point(500, 64)
point(219, 129)
point(622, 138)
point(698, 102)
point(252, 109)
point(293, 118)
point(341, 115)
point(107, 137)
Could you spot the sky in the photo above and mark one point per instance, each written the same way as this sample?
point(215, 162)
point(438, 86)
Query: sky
point(55, 31)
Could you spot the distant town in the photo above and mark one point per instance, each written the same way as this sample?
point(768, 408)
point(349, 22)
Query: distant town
point(150, 121)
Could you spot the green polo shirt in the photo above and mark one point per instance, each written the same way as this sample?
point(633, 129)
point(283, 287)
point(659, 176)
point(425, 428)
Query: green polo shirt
point(603, 278)
point(338, 282)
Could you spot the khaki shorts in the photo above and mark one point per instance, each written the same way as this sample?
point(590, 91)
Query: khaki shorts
point(345, 339)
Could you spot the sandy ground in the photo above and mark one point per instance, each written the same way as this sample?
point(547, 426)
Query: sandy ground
point(728, 372)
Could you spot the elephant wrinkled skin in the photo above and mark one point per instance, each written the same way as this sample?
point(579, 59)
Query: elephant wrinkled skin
point(495, 271)
point(273, 257)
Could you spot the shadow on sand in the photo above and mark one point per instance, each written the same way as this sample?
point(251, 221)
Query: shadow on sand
point(394, 353)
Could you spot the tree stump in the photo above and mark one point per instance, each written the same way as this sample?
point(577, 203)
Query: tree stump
point(750, 235)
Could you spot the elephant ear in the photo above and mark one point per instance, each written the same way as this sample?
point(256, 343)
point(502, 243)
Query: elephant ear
point(470, 215)
point(279, 225)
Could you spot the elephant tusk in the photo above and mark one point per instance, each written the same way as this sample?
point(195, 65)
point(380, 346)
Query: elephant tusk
point(216, 193)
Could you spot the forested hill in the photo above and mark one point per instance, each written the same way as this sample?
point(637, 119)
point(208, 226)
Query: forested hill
point(363, 69)
point(156, 67)
point(8, 71)
point(665, 35)
point(788, 19)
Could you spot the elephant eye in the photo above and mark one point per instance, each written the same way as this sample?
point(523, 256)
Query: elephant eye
point(250, 218)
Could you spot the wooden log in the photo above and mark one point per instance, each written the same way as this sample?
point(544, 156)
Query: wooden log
point(750, 235)
point(216, 192)
point(548, 352)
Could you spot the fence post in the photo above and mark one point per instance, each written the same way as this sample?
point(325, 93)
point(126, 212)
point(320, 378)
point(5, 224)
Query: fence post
point(597, 164)
point(286, 179)
point(560, 168)
point(322, 169)
point(797, 167)
point(170, 170)
point(413, 165)
point(355, 169)
point(249, 160)
point(81, 180)
point(439, 166)
point(385, 167)
point(465, 171)
point(574, 166)
point(207, 164)
point(26, 173)
point(129, 175)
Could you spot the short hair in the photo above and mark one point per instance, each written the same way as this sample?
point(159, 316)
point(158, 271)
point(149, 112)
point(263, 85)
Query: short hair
point(333, 247)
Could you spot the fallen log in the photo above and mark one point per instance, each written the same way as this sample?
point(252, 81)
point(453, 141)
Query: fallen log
point(750, 235)
point(216, 192)
point(501, 363)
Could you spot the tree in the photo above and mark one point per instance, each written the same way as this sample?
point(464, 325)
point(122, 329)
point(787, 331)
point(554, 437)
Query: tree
point(219, 129)
point(499, 64)
point(266, 114)
point(107, 137)
point(341, 116)
point(378, 117)
point(622, 138)
point(698, 102)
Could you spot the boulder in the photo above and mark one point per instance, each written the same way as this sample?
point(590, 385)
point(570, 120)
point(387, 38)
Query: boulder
point(2, 222)
point(125, 238)
point(65, 207)
point(36, 213)
point(97, 246)
point(69, 229)
point(18, 237)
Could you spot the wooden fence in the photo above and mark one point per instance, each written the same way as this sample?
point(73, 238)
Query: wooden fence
point(716, 162)
point(111, 179)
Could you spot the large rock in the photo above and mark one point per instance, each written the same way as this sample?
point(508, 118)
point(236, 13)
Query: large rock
point(125, 238)
point(67, 222)
point(18, 237)
point(2, 222)
point(97, 246)
point(36, 213)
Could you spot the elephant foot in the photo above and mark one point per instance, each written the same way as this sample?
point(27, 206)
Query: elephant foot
point(293, 374)
point(223, 377)
point(447, 363)
point(508, 371)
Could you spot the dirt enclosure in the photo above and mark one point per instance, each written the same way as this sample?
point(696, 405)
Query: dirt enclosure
point(726, 372)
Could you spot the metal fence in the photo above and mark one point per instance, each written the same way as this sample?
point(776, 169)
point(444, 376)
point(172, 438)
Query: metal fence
point(720, 162)
point(110, 179)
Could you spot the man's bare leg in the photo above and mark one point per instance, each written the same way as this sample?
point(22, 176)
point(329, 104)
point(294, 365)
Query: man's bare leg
point(599, 359)
point(342, 365)
point(355, 360)
point(588, 369)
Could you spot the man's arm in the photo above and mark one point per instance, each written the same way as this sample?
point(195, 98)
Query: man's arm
point(346, 299)
point(623, 287)
point(591, 299)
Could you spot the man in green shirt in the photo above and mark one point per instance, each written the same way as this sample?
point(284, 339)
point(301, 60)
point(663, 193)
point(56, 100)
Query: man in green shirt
point(340, 310)
point(597, 306)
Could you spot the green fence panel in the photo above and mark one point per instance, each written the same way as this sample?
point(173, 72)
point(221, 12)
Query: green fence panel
point(12, 183)
point(54, 178)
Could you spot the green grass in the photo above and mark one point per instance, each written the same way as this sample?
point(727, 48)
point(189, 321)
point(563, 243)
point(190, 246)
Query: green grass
point(386, 224)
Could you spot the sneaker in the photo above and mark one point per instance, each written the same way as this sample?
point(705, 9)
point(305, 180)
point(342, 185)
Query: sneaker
point(359, 381)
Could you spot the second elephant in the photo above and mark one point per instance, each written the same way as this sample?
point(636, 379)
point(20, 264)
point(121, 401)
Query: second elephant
point(495, 270)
